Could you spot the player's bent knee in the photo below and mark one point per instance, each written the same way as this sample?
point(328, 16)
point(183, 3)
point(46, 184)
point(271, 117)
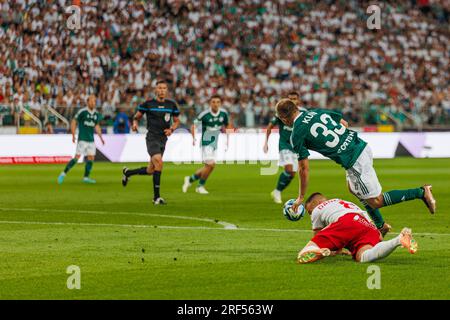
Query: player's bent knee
point(157, 163)
point(210, 164)
point(359, 254)
point(376, 202)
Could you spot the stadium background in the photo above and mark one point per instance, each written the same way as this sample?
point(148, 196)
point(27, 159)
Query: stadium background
point(250, 52)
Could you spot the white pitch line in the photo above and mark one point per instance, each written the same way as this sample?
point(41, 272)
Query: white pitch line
point(107, 225)
point(176, 227)
point(226, 225)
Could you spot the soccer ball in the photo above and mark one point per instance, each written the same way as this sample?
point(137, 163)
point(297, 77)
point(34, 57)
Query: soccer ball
point(291, 214)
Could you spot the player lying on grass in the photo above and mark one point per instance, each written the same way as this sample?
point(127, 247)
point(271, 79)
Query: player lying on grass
point(325, 132)
point(87, 119)
point(288, 159)
point(212, 121)
point(339, 224)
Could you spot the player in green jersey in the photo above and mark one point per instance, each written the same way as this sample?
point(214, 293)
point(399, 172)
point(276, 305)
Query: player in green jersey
point(288, 158)
point(211, 121)
point(87, 120)
point(325, 132)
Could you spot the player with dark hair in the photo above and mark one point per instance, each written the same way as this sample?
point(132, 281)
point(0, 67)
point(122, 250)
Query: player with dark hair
point(212, 121)
point(339, 224)
point(325, 132)
point(162, 120)
point(295, 97)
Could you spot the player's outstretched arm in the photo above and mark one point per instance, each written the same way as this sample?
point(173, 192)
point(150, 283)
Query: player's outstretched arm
point(228, 129)
point(303, 176)
point(98, 130)
point(268, 132)
point(73, 128)
point(193, 134)
point(137, 117)
point(175, 124)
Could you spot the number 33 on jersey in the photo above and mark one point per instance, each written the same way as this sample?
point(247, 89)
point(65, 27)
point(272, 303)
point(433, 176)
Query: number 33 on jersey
point(321, 131)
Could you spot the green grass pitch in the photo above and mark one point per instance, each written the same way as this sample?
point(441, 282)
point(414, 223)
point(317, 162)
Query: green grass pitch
point(128, 249)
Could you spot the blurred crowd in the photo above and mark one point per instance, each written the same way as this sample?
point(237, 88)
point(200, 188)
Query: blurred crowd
point(249, 51)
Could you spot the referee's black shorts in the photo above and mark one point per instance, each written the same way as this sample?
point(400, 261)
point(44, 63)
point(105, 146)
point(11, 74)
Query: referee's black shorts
point(155, 145)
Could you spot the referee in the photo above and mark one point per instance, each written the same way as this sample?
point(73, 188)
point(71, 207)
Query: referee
point(162, 120)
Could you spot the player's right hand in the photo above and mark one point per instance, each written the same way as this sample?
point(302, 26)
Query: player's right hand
point(266, 148)
point(73, 139)
point(297, 203)
point(134, 127)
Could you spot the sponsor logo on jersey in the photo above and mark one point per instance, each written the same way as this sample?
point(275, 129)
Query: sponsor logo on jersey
point(347, 142)
point(213, 128)
point(89, 123)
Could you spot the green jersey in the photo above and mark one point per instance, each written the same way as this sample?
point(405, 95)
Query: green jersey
point(87, 120)
point(211, 126)
point(284, 143)
point(321, 131)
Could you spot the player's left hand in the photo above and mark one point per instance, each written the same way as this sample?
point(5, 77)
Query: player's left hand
point(103, 141)
point(168, 132)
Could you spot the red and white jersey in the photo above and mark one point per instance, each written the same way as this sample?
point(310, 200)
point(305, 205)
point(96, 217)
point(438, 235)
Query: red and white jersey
point(331, 210)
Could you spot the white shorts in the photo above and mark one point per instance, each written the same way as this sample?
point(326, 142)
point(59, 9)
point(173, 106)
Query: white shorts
point(362, 177)
point(86, 148)
point(209, 154)
point(288, 157)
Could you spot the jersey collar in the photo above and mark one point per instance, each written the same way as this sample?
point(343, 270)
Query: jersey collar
point(293, 123)
point(214, 114)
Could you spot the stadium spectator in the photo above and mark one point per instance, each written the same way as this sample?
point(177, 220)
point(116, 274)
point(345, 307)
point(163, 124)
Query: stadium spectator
point(249, 51)
point(122, 122)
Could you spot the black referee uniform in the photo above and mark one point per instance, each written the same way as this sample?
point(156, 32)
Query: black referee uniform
point(159, 116)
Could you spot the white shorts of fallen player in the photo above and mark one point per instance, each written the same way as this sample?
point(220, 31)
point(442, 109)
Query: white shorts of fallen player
point(209, 154)
point(288, 157)
point(362, 177)
point(86, 148)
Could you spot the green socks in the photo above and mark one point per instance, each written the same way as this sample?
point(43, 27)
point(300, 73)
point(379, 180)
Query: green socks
point(375, 214)
point(396, 196)
point(391, 198)
point(88, 168)
point(284, 180)
point(70, 165)
point(202, 182)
